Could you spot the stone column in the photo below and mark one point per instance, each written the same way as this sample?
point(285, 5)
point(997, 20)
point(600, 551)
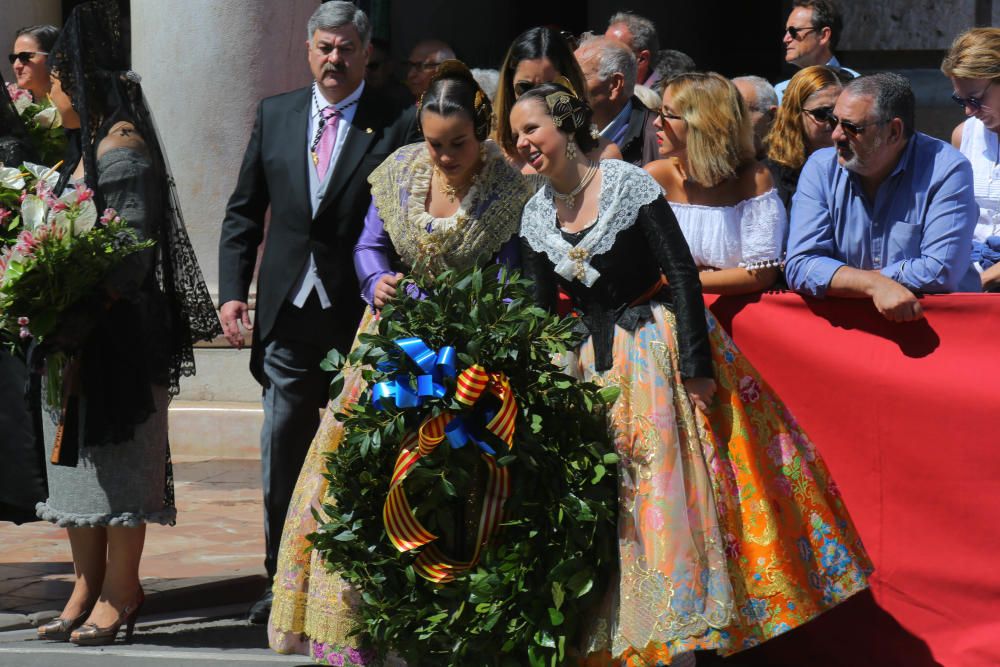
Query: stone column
point(204, 67)
point(17, 14)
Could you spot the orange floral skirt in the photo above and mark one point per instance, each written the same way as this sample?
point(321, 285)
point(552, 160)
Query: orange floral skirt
point(731, 530)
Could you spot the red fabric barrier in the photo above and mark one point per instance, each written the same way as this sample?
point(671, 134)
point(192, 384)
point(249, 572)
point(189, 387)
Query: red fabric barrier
point(906, 416)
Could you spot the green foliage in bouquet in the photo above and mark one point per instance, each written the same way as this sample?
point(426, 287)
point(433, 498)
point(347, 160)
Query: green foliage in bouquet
point(528, 599)
point(43, 123)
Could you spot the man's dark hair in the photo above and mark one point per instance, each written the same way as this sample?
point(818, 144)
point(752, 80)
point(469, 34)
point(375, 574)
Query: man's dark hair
point(670, 63)
point(892, 94)
point(826, 14)
point(45, 35)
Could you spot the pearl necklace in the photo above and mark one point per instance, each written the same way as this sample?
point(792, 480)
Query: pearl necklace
point(570, 197)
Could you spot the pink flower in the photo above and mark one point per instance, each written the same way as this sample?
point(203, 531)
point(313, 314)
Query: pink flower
point(110, 215)
point(83, 193)
point(22, 321)
point(25, 333)
point(749, 389)
point(781, 450)
point(4, 214)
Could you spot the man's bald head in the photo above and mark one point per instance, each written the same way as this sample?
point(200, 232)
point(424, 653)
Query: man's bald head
point(426, 55)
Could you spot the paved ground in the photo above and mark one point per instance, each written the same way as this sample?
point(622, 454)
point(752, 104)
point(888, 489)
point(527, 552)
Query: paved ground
point(213, 556)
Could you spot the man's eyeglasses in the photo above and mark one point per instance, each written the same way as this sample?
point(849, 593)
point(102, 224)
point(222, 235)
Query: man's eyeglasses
point(820, 114)
point(853, 129)
point(25, 56)
point(797, 33)
point(974, 101)
point(425, 67)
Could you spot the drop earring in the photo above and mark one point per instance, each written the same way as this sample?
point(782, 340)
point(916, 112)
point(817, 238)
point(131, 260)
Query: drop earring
point(571, 151)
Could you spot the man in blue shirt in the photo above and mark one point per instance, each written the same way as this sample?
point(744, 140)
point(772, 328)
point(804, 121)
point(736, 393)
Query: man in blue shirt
point(811, 35)
point(886, 211)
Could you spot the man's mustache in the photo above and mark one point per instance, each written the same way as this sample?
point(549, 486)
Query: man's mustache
point(336, 68)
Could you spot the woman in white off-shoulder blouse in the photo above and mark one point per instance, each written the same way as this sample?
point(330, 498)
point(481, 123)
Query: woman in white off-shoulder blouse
point(724, 200)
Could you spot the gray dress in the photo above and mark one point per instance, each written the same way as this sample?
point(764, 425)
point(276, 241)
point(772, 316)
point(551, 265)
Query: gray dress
point(126, 483)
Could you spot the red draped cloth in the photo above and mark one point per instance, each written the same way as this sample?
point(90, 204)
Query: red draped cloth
point(907, 417)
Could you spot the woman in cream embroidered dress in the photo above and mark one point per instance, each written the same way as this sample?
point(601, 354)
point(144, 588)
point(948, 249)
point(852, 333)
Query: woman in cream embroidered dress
point(451, 201)
point(730, 529)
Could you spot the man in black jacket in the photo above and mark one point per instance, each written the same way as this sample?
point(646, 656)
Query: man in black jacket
point(610, 71)
point(308, 160)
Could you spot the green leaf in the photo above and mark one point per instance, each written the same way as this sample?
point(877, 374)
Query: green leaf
point(609, 394)
point(599, 472)
point(556, 617)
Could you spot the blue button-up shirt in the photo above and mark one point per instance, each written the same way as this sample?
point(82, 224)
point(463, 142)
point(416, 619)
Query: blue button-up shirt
point(918, 231)
point(779, 88)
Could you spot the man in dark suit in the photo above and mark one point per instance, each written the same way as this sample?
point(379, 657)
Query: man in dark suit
point(609, 69)
point(308, 159)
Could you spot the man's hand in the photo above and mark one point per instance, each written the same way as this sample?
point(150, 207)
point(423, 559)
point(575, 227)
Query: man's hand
point(385, 289)
point(701, 391)
point(896, 302)
point(232, 314)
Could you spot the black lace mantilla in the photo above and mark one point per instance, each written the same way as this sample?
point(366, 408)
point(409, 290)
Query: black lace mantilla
point(90, 61)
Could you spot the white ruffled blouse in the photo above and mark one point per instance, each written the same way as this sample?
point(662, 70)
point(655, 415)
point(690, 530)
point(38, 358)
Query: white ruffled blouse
point(749, 235)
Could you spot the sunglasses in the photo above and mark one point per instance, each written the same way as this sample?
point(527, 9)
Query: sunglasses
point(974, 101)
point(797, 33)
point(521, 87)
point(25, 56)
point(850, 128)
point(820, 114)
point(664, 116)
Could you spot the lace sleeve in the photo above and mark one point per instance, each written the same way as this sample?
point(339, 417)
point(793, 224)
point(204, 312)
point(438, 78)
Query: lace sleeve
point(763, 230)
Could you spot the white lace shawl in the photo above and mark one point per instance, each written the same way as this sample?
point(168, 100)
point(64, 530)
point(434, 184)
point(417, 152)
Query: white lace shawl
point(625, 188)
point(749, 235)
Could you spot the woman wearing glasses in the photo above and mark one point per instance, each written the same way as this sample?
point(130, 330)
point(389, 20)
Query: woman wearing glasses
point(29, 59)
point(538, 55)
point(973, 65)
point(801, 126)
point(730, 530)
point(724, 200)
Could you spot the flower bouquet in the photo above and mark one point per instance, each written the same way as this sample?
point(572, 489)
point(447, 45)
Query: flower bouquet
point(42, 121)
point(60, 257)
point(473, 495)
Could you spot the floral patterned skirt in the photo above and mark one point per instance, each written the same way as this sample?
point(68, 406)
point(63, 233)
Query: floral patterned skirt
point(312, 609)
point(730, 529)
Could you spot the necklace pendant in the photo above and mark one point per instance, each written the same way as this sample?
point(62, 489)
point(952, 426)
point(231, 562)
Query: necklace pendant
point(315, 157)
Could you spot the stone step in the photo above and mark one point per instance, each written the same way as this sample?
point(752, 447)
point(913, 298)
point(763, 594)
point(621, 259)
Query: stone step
point(215, 429)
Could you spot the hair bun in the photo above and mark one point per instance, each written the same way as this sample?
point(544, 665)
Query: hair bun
point(453, 69)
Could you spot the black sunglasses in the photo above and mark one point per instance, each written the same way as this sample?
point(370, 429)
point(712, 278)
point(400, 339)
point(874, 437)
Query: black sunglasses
point(820, 114)
point(797, 33)
point(521, 87)
point(25, 56)
point(850, 128)
point(974, 101)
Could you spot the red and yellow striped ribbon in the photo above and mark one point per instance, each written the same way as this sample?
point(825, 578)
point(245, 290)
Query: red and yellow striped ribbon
point(403, 528)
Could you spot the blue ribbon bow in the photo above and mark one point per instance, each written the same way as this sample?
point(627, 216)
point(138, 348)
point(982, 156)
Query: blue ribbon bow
point(435, 366)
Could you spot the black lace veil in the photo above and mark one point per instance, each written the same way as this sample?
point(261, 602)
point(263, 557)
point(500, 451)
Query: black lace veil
point(91, 64)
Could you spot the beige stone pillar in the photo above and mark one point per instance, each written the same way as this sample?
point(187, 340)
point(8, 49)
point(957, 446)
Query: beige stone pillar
point(204, 67)
point(17, 14)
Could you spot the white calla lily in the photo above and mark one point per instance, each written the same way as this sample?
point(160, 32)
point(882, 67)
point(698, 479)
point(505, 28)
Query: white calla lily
point(48, 118)
point(49, 174)
point(21, 103)
point(85, 214)
point(33, 211)
point(10, 177)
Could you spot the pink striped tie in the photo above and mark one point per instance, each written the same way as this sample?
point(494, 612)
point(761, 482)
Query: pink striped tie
point(331, 119)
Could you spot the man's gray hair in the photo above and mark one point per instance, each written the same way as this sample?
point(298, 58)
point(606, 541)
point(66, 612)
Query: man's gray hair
point(337, 14)
point(766, 97)
point(613, 57)
point(892, 94)
point(643, 31)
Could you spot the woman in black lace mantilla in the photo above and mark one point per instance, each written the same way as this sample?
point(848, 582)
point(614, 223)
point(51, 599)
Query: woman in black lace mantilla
point(129, 344)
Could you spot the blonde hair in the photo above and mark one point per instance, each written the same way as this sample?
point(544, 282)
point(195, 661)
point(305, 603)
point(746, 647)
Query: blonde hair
point(719, 133)
point(787, 139)
point(975, 54)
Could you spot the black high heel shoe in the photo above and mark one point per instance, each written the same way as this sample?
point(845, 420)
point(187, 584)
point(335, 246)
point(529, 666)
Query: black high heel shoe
point(59, 629)
point(92, 635)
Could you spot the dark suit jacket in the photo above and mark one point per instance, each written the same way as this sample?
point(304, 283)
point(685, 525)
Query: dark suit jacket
point(274, 175)
point(639, 145)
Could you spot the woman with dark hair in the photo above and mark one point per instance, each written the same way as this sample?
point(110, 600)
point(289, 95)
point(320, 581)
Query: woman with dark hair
point(22, 477)
point(538, 55)
point(450, 201)
point(29, 59)
point(128, 345)
point(730, 529)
